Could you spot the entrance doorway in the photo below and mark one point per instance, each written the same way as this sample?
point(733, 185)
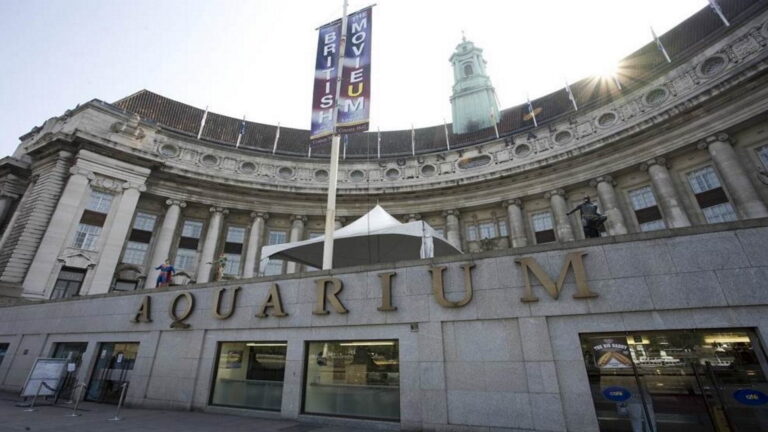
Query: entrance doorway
point(73, 352)
point(113, 369)
point(678, 381)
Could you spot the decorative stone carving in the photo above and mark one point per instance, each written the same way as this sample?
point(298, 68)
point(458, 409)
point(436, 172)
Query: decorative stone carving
point(130, 128)
point(170, 202)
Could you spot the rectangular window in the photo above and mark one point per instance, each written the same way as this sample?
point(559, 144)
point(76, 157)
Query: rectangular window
point(543, 229)
point(472, 234)
point(646, 210)
point(99, 202)
point(92, 220)
point(275, 266)
point(135, 252)
point(233, 249)
point(502, 224)
point(711, 196)
point(125, 285)
point(353, 379)
point(139, 239)
point(87, 236)
point(487, 230)
point(249, 375)
point(694, 380)
point(762, 152)
point(68, 283)
point(186, 254)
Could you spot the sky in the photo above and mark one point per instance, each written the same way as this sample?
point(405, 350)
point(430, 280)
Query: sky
point(256, 57)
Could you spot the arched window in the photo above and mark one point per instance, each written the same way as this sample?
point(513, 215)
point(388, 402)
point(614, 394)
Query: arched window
point(468, 70)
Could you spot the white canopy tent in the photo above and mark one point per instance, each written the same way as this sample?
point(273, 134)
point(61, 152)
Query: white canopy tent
point(374, 238)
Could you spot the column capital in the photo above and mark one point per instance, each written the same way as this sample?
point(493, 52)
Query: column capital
point(76, 170)
point(302, 218)
point(216, 209)
point(660, 161)
point(175, 202)
point(606, 178)
point(552, 193)
point(450, 212)
point(106, 184)
point(415, 216)
point(259, 215)
point(718, 137)
point(141, 187)
point(340, 219)
point(515, 201)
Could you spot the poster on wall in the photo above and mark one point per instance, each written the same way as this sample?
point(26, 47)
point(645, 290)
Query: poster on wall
point(234, 360)
point(611, 353)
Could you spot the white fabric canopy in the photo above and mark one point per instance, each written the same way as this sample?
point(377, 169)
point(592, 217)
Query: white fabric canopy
point(374, 238)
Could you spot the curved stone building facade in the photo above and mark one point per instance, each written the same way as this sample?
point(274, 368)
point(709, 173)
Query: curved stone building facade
point(95, 200)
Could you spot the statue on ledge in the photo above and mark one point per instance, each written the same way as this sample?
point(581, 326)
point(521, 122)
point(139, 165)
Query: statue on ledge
point(592, 221)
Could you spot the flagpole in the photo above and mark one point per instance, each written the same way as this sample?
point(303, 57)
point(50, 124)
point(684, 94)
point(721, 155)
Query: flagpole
point(413, 141)
point(378, 143)
point(447, 142)
point(495, 123)
point(330, 213)
point(202, 123)
point(241, 132)
point(277, 137)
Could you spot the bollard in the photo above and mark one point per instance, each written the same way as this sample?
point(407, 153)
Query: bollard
point(34, 399)
point(77, 400)
point(120, 402)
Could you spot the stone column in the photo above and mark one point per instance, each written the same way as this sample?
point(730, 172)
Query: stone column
point(669, 201)
point(164, 240)
point(6, 201)
point(742, 192)
point(296, 234)
point(115, 239)
point(615, 225)
point(559, 209)
point(516, 225)
point(209, 246)
point(413, 217)
point(452, 228)
point(56, 236)
point(255, 241)
point(338, 222)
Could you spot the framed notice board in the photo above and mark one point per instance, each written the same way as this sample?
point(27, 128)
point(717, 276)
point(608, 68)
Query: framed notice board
point(45, 370)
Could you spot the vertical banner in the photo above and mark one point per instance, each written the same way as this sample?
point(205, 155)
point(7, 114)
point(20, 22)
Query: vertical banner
point(324, 95)
point(355, 96)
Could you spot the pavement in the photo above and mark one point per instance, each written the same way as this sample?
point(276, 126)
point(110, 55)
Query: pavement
point(95, 417)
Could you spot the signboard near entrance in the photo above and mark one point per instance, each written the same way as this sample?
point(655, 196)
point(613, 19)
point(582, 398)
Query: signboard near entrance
point(46, 370)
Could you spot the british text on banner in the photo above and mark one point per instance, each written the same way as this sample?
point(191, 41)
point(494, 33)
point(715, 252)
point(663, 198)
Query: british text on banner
point(355, 96)
point(324, 95)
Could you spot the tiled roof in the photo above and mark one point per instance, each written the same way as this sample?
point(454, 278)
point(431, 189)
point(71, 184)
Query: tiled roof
point(639, 68)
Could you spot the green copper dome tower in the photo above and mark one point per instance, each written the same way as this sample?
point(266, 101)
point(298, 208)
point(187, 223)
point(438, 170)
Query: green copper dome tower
point(473, 102)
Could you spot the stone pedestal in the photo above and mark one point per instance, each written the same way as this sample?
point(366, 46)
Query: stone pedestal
point(209, 247)
point(615, 225)
point(516, 225)
point(452, 228)
point(255, 241)
point(666, 194)
point(296, 234)
point(115, 239)
point(164, 239)
point(559, 209)
point(745, 199)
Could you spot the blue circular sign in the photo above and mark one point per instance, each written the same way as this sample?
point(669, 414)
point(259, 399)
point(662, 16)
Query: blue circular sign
point(750, 397)
point(617, 394)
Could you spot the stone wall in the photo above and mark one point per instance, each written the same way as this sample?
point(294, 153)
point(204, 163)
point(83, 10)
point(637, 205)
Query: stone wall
point(496, 362)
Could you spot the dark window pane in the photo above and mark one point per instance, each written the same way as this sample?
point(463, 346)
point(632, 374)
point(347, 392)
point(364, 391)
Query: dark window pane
point(250, 375)
point(648, 214)
point(545, 236)
point(93, 218)
point(140, 236)
point(188, 243)
point(711, 197)
point(233, 248)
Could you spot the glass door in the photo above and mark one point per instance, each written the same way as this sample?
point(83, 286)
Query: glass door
point(113, 368)
point(73, 352)
point(675, 381)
